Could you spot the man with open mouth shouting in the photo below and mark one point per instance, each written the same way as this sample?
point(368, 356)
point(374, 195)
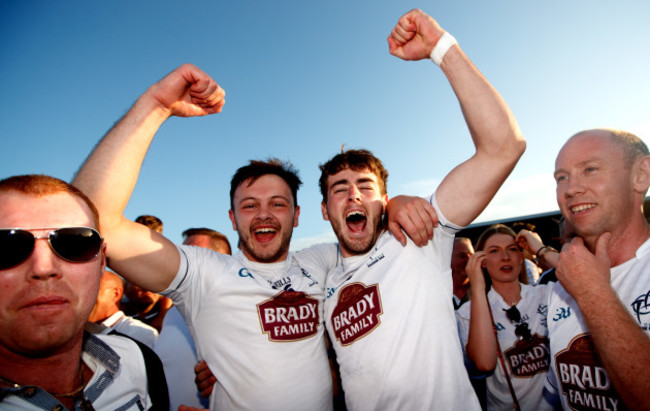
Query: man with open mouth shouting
point(256, 317)
point(389, 309)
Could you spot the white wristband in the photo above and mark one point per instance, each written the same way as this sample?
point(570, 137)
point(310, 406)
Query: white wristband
point(441, 48)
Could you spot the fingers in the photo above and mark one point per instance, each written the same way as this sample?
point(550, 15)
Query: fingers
point(397, 232)
point(204, 379)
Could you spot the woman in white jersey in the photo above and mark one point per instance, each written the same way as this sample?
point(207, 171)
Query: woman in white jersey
point(503, 327)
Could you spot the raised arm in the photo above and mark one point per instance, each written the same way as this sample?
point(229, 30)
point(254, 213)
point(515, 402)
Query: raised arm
point(110, 173)
point(467, 189)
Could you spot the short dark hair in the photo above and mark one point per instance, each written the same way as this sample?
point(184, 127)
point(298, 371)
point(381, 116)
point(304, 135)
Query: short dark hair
point(216, 237)
point(151, 221)
point(357, 160)
point(258, 168)
point(40, 185)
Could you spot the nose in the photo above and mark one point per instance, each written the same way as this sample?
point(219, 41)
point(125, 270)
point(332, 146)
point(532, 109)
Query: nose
point(43, 261)
point(354, 194)
point(263, 212)
point(573, 187)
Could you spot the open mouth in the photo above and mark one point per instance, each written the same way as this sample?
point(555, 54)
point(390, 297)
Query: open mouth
point(264, 234)
point(356, 221)
point(507, 268)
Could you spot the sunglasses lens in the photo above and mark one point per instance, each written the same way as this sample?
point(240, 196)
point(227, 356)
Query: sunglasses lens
point(76, 244)
point(513, 314)
point(15, 247)
point(523, 331)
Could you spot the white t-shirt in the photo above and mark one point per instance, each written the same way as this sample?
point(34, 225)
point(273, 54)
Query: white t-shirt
point(176, 350)
point(258, 326)
point(390, 317)
point(527, 361)
point(576, 371)
point(119, 379)
point(136, 329)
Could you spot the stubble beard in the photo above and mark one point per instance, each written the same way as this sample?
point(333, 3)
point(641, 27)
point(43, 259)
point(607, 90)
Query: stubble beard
point(267, 255)
point(361, 246)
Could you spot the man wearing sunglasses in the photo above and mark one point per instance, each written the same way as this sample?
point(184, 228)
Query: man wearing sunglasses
point(51, 260)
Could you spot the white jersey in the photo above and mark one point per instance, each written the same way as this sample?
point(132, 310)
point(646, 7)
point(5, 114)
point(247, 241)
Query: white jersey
point(576, 370)
point(258, 326)
point(390, 317)
point(527, 361)
point(132, 327)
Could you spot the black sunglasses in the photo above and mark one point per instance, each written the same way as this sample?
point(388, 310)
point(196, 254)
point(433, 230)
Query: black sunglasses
point(74, 244)
point(522, 330)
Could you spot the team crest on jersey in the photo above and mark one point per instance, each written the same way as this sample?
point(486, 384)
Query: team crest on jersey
point(583, 379)
point(289, 316)
point(641, 308)
point(357, 312)
point(528, 358)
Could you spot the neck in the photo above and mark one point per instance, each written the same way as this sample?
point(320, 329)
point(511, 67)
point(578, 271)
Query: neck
point(624, 242)
point(510, 292)
point(54, 372)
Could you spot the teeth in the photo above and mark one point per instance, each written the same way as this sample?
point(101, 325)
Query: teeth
point(580, 208)
point(356, 213)
point(265, 230)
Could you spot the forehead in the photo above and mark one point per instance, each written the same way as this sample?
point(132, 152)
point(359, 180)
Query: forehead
point(461, 247)
point(349, 175)
point(200, 240)
point(499, 239)
point(62, 209)
point(266, 186)
point(592, 145)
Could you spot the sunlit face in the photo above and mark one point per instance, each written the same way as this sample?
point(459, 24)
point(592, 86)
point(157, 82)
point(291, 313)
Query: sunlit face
point(205, 241)
point(593, 187)
point(354, 207)
point(504, 259)
point(264, 217)
point(459, 258)
point(45, 300)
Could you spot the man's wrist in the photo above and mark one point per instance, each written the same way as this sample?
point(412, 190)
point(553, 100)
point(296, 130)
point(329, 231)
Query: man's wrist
point(442, 46)
point(543, 250)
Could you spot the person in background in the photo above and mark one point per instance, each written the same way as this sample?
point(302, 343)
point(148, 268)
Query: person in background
point(143, 305)
point(175, 345)
point(503, 326)
point(460, 255)
point(107, 311)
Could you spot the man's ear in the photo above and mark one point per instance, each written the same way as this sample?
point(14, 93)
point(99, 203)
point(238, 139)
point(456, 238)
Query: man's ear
point(384, 203)
point(295, 216)
point(323, 210)
point(641, 174)
point(231, 215)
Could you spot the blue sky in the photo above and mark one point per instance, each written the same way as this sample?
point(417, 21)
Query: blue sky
point(304, 77)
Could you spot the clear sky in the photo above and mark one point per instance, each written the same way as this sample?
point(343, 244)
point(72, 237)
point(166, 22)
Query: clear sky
point(304, 77)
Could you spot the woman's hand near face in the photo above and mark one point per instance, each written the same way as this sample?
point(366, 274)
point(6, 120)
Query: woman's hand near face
point(475, 272)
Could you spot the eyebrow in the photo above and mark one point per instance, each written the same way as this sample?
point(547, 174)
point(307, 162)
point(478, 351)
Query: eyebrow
point(275, 197)
point(580, 164)
point(357, 181)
